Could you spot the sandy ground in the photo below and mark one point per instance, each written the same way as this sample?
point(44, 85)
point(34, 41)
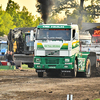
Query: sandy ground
point(26, 85)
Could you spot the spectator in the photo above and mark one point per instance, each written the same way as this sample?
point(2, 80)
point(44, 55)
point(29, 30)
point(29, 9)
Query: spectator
point(11, 60)
point(6, 55)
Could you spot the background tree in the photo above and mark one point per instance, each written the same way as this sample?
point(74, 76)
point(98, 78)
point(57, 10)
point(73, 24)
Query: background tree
point(14, 18)
point(36, 21)
point(27, 17)
point(5, 24)
point(80, 12)
point(12, 8)
point(76, 12)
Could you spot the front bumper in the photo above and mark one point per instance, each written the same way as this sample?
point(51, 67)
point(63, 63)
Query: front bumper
point(53, 63)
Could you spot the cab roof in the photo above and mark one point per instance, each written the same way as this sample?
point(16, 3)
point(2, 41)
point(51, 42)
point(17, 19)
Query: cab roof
point(55, 26)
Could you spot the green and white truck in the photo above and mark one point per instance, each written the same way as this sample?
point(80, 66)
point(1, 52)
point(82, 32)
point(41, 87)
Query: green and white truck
point(56, 52)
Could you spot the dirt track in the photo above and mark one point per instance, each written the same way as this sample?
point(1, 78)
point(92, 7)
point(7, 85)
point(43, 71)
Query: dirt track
point(25, 85)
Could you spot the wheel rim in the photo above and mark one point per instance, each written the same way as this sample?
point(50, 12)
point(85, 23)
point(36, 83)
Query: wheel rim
point(88, 67)
point(88, 72)
point(75, 69)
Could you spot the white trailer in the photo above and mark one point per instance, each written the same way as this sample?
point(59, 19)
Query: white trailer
point(94, 46)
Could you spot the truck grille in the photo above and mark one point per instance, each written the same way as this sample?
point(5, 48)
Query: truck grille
point(52, 52)
point(52, 61)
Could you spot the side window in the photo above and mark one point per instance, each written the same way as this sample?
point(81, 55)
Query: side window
point(73, 36)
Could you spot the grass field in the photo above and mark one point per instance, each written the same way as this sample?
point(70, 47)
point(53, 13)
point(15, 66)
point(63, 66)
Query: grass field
point(24, 66)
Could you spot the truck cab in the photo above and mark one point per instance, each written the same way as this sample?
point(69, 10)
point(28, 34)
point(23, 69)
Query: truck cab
point(56, 48)
point(94, 46)
point(29, 45)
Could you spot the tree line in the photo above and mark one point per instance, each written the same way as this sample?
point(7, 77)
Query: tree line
point(12, 18)
point(76, 11)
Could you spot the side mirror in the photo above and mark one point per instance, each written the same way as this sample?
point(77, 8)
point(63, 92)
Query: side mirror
point(34, 36)
point(76, 36)
point(35, 31)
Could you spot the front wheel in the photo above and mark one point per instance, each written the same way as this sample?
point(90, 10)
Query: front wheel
point(88, 69)
point(30, 65)
point(40, 74)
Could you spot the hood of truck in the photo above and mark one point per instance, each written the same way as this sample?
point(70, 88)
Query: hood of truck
point(54, 48)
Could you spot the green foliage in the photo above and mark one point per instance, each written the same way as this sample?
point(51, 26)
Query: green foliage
point(14, 18)
point(27, 17)
point(12, 7)
point(36, 21)
point(18, 21)
point(6, 23)
point(24, 66)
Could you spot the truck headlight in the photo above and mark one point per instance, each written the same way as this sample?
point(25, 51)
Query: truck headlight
point(38, 66)
point(67, 60)
point(66, 66)
point(38, 59)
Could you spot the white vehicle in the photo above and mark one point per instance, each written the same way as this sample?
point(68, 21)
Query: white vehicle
point(56, 52)
point(94, 46)
point(85, 38)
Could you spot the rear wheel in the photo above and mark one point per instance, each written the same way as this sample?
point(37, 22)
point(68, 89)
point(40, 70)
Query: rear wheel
point(40, 74)
point(88, 69)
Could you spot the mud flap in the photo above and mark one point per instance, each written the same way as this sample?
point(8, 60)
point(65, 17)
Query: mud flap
point(92, 57)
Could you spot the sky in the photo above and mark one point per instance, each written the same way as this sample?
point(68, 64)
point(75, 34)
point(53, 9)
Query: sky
point(30, 5)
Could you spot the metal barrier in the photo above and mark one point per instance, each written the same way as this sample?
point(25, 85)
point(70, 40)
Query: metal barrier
point(69, 97)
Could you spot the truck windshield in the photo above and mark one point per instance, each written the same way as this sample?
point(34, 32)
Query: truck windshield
point(28, 42)
point(85, 42)
point(3, 46)
point(63, 34)
point(96, 39)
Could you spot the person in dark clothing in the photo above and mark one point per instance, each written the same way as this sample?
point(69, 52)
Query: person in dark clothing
point(6, 55)
point(10, 58)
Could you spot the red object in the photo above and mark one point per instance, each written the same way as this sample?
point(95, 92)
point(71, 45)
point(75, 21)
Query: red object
point(4, 62)
point(95, 35)
point(98, 59)
point(96, 32)
point(58, 29)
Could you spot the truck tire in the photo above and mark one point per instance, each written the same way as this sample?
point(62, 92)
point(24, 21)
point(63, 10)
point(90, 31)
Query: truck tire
point(74, 72)
point(93, 59)
point(40, 74)
point(88, 68)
